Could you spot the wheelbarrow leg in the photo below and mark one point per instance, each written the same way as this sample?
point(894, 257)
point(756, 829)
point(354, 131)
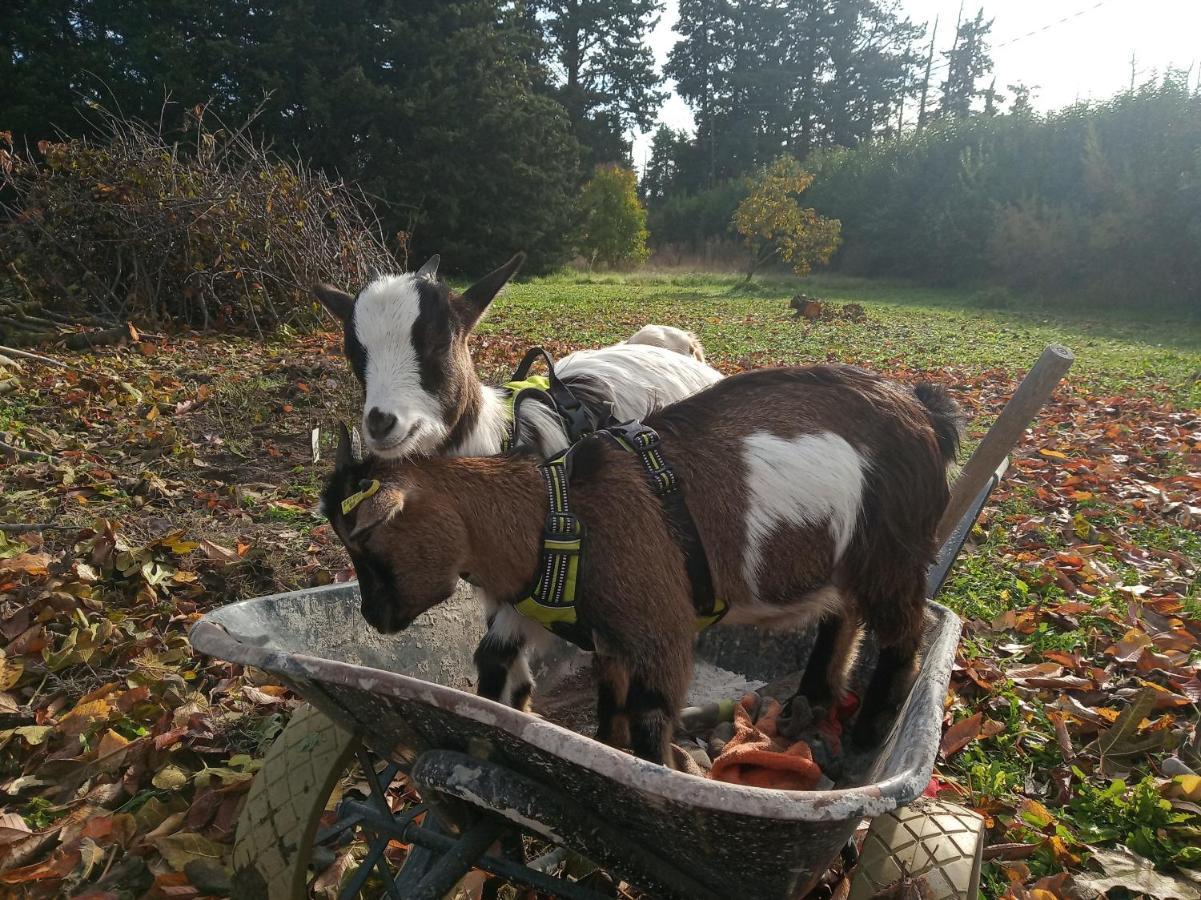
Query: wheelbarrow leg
point(419, 860)
point(457, 861)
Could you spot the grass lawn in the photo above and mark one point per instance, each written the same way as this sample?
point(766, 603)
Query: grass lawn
point(179, 474)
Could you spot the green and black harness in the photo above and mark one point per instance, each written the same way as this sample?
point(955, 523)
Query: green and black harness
point(549, 390)
point(551, 600)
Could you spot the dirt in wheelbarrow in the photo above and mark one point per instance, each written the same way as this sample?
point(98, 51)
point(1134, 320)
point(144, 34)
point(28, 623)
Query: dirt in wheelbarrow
point(153, 480)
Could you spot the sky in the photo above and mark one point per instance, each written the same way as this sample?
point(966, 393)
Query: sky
point(1085, 57)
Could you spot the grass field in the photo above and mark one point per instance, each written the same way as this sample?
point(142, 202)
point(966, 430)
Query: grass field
point(178, 474)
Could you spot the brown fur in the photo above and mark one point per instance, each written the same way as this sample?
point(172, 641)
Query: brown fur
point(483, 518)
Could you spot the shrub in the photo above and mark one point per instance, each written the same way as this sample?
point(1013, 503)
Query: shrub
point(694, 221)
point(613, 229)
point(774, 223)
point(215, 233)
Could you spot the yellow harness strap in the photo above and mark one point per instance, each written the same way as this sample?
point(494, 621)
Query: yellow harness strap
point(551, 602)
point(530, 382)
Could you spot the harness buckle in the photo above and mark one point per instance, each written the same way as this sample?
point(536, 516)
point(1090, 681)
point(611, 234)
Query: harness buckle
point(635, 435)
point(563, 528)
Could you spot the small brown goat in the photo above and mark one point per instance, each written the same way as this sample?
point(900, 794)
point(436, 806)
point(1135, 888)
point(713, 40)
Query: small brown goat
point(815, 493)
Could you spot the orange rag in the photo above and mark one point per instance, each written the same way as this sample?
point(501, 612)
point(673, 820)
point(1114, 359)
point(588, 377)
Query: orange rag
point(757, 756)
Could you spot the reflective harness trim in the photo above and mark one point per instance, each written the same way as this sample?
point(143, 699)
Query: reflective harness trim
point(551, 602)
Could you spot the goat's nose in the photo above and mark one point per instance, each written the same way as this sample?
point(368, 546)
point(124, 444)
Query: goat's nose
point(379, 423)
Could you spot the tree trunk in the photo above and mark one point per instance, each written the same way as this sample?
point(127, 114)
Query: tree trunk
point(921, 110)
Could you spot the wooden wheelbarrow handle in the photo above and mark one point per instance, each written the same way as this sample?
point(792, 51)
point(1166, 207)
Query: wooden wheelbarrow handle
point(1034, 391)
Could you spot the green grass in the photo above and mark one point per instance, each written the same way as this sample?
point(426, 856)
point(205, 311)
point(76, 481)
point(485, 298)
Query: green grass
point(916, 327)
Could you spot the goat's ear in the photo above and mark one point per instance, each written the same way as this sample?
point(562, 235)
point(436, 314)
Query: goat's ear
point(386, 502)
point(430, 269)
point(350, 447)
point(340, 303)
point(472, 303)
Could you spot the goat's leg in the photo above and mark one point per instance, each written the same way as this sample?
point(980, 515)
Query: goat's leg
point(493, 659)
point(658, 685)
point(500, 661)
point(890, 684)
point(612, 691)
point(652, 720)
point(834, 648)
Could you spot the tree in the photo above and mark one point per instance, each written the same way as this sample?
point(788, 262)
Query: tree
point(613, 230)
point(967, 61)
point(773, 222)
point(699, 63)
point(606, 70)
point(669, 150)
point(382, 93)
point(1022, 105)
point(57, 57)
point(789, 76)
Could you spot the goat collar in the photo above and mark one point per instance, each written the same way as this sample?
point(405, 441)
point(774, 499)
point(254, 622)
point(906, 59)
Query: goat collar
point(551, 601)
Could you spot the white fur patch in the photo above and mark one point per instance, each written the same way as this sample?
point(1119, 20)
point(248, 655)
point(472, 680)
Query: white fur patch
point(384, 315)
point(675, 339)
point(802, 481)
point(643, 377)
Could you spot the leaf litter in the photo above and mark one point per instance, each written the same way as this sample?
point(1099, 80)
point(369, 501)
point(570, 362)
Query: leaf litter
point(184, 477)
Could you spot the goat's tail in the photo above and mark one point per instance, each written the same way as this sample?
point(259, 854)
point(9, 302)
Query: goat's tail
point(945, 418)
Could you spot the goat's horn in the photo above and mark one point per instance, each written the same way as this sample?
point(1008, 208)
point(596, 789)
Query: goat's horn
point(356, 445)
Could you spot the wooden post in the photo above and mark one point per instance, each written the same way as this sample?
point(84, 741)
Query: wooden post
point(1034, 391)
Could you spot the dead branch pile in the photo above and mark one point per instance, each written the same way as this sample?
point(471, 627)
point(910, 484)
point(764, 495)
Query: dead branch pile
point(211, 231)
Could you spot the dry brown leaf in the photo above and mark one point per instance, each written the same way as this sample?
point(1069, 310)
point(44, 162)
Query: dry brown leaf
point(84, 715)
point(26, 564)
point(960, 735)
point(12, 828)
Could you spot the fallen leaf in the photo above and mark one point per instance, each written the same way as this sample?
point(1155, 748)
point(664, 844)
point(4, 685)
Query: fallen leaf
point(84, 716)
point(1187, 787)
point(11, 671)
point(1134, 874)
point(184, 846)
point(217, 553)
point(26, 564)
point(960, 735)
point(327, 883)
point(12, 828)
point(1035, 813)
point(1122, 744)
point(59, 865)
point(169, 778)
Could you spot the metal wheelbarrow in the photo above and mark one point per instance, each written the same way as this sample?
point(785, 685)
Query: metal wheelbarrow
point(488, 774)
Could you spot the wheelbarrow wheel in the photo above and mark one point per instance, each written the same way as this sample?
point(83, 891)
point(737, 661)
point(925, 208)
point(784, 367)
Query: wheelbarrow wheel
point(273, 844)
point(935, 844)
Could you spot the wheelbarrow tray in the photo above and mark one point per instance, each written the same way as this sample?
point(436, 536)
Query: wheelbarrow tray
point(409, 693)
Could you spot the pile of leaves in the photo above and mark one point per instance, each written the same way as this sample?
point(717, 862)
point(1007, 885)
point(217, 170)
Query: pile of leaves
point(201, 226)
point(1072, 717)
point(175, 474)
point(148, 489)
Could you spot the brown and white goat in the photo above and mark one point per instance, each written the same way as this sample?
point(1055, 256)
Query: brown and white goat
point(814, 491)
